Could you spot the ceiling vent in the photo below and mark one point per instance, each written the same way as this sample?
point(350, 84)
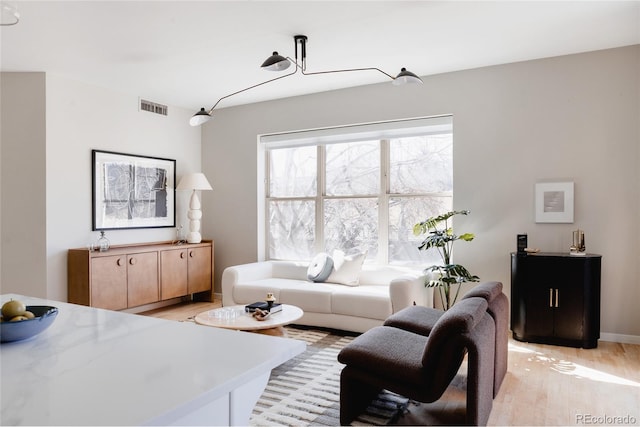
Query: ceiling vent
point(153, 107)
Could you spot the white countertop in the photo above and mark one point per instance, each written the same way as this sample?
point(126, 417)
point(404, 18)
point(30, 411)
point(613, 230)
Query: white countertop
point(95, 366)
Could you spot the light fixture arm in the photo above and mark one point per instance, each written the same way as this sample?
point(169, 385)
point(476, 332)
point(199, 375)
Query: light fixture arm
point(251, 87)
point(302, 41)
point(349, 69)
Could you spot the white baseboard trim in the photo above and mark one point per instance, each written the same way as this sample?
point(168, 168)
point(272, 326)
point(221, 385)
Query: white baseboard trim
point(626, 339)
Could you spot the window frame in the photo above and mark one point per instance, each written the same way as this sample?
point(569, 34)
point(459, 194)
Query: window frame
point(267, 143)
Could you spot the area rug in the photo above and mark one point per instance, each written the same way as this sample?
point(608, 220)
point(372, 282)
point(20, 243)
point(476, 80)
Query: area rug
point(305, 391)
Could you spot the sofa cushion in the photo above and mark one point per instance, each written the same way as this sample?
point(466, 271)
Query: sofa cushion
point(256, 290)
point(415, 318)
point(320, 267)
point(312, 297)
point(387, 351)
point(382, 275)
point(346, 268)
point(289, 269)
point(363, 301)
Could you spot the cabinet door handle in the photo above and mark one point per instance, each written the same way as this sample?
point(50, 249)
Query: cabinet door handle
point(191, 254)
point(550, 297)
point(119, 262)
point(132, 261)
point(182, 255)
point(556, 298)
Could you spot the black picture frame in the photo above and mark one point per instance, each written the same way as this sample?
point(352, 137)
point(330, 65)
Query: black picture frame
point(132, 191)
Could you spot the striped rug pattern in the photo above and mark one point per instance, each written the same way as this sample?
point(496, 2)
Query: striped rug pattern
point(305, 391)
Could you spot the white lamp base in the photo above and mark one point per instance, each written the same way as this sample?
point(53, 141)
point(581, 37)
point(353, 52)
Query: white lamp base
point(194, 237)
point(194, 215)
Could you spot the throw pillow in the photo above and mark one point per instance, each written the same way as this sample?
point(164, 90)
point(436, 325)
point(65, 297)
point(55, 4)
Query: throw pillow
point(320, 268)
point(346, 268)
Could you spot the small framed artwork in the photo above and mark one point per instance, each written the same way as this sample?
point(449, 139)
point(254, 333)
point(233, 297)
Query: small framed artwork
point(131, 191)
point(554, 202)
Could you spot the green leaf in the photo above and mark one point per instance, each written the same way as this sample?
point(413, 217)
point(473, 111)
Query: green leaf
point(467, 237)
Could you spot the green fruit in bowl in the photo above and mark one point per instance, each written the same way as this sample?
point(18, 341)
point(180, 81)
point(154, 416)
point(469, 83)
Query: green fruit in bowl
point(13, 308)
point(18, 318)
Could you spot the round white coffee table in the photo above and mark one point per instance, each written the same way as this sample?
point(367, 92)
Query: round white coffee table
point(234, 317)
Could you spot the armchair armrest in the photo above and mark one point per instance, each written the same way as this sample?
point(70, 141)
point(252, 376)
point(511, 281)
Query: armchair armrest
point(407, 289)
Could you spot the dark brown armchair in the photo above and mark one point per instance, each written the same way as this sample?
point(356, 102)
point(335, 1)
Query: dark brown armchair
point(421, 320)
point(422, 367)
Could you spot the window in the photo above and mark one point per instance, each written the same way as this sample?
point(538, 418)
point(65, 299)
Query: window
point(357, 187)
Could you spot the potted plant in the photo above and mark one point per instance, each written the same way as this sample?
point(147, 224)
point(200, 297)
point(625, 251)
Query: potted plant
point(445, 276)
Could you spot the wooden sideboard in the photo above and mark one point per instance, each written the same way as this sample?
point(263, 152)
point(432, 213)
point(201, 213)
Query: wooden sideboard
point(128, 276)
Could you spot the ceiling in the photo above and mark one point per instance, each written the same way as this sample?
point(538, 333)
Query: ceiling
point(190, 54)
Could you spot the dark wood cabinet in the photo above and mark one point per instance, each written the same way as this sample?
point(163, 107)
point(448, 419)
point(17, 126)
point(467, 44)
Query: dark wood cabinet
point(555, 298)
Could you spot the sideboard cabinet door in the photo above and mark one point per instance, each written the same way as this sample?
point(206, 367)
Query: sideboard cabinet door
point(555, 299)
point(200, 269)
point(142, 275)
point(173, 266)
point(109, 282)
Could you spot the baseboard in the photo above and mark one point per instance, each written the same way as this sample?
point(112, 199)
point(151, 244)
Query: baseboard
point(154, 305)
point(626, 339)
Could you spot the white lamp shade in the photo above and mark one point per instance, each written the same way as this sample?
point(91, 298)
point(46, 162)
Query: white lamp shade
point(194, 181)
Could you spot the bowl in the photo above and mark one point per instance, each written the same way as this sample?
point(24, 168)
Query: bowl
point(23, 329)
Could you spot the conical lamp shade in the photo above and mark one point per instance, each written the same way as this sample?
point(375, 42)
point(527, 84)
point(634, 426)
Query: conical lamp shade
point(405, 77)
point(276, 63)
point(199, 118)
point(194, 181)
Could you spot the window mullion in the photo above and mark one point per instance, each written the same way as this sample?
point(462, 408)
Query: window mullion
point(320, 193)
point(383, 206)
point(267, 191)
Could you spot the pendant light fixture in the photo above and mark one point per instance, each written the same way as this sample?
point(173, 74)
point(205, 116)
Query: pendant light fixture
point(277, 62)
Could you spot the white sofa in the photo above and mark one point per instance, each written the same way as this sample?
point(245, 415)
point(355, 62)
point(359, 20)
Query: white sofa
point(382, 291)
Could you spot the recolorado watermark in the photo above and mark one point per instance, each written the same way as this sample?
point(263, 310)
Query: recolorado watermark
point(589, 419)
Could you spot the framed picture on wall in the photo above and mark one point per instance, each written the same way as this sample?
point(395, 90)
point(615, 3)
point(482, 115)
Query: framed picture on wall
point(132, 191)
point(554, 202)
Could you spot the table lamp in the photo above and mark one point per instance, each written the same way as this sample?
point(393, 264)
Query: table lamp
point(194, 181)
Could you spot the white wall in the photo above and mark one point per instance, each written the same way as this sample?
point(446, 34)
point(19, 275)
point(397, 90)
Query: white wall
point(567, 118)
point(79, 118)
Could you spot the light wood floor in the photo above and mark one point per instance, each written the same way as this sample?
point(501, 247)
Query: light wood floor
point(545, 384)
point(183, 311)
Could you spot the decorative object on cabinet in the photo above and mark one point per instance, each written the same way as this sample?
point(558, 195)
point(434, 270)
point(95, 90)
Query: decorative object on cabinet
point(578, 247)
point(554, 202)
point(194, 181)
point(129, 276)
point(131, 191)
point(445, 275)
point(103, 242)
point(522, 243)
point(555, 299)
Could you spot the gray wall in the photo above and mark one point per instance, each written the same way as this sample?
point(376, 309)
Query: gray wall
point(22, 155)
point(571, 118)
